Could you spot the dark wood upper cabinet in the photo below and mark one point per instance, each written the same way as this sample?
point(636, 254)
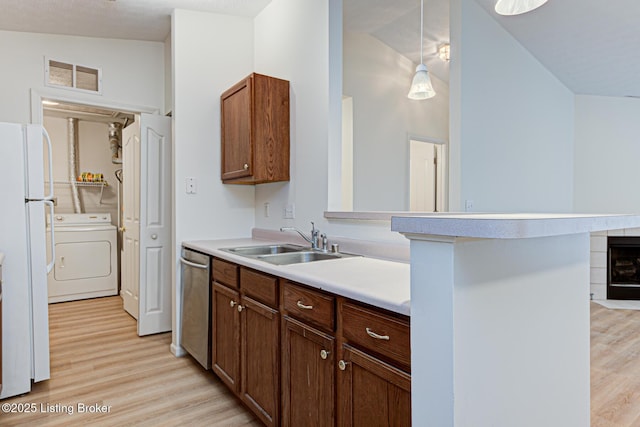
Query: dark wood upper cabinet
point(255, 131)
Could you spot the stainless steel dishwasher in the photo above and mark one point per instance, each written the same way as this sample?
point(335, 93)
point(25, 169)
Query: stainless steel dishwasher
point(196, 304)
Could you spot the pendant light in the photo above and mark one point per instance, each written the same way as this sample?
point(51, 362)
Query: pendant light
point(517, 7)
point(421, 87)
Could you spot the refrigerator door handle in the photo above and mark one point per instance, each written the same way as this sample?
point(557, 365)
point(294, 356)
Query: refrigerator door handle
point(53, 242)
point(50, 154)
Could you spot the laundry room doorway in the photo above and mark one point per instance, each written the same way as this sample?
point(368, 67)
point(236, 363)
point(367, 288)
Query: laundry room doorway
point(94, 174)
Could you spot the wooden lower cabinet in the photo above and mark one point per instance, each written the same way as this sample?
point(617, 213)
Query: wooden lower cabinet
point(225, 335)
point(299, 357)
point(372, 393)
point(308, 386)
point(260, 338)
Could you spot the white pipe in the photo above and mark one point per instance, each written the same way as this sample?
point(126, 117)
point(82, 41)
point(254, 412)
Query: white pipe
point(73, 165)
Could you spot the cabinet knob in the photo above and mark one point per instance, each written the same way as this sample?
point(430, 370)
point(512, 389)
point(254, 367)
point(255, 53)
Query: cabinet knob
point(246, 166)
point(342, 365)
point(324, 354)
point(154, 236)
point(240, 308)
point(232, 303)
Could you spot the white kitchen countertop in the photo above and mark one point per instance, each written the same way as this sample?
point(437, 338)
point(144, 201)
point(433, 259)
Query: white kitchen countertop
point(385, 284)
point(510, 226)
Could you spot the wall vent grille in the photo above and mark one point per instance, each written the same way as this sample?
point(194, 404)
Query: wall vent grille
point(72, 76)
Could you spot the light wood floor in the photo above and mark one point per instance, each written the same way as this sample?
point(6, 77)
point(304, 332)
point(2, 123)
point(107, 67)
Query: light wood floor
point(97, 358)
point(615, 367)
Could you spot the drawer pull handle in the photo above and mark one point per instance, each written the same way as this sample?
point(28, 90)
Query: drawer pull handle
point(304, 307)
point(376, 336)
point(324, 354)
point(342, 365)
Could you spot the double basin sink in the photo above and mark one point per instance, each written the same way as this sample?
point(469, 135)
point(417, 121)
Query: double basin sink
point(283, 254)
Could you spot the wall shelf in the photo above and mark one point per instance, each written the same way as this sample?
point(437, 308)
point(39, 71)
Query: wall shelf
point(80, 184)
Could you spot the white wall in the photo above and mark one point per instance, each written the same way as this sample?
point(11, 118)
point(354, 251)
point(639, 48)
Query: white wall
point(291, 42)
point(378, 78)
point(514, 151)
point(132, 71)
point(606, 154)
point(210, 53)
point(94, 155)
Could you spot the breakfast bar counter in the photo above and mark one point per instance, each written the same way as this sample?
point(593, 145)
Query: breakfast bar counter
point(500, 317)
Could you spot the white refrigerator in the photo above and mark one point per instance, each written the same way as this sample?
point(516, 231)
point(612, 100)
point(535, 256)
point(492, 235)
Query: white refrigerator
point(24, 202)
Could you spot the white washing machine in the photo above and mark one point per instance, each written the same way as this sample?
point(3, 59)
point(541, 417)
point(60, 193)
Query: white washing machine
point(86, 263)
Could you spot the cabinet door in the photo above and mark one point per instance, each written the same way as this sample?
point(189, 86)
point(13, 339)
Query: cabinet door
point(236, 113)
point(372, 393)
point(225, 335)
point(260, 353)
point(307, 376)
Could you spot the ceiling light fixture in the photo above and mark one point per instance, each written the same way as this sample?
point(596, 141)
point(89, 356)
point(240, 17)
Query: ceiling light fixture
point(517, 7)
point(444, 52)
point(421, 87)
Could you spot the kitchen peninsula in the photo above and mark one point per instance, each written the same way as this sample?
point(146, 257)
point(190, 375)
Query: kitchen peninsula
point(500, 317)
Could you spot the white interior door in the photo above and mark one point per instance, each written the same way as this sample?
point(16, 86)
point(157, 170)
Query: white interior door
point(426, 176)
point(154, 314)
point(130, 278)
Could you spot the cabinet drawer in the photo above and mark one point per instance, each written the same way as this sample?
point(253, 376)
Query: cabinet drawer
point(309, 305)
point(377, 332)
point(225, 272)
point(259, 286)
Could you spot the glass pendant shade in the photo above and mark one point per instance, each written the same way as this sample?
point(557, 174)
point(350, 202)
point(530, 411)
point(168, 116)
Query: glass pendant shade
point(421, 87)
point(516, 7)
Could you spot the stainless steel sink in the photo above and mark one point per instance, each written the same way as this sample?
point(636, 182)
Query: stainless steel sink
point(253, 251)
point(284, 254)
point(298, 257)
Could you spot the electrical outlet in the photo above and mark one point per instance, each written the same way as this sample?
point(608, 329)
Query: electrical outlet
point(191, 185)
point(468, 205)
point(289, 211)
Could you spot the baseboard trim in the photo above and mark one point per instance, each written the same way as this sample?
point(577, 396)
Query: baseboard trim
point(177, 351)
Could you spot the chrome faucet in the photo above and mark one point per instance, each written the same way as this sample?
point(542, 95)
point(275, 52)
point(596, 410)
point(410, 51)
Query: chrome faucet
point(313, 241)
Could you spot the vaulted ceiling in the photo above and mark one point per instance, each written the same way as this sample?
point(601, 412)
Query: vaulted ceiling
point(592, 46)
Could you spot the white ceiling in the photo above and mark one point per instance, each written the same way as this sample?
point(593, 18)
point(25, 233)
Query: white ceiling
point(592, 46)
point(122, 19)
point(397, 24)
